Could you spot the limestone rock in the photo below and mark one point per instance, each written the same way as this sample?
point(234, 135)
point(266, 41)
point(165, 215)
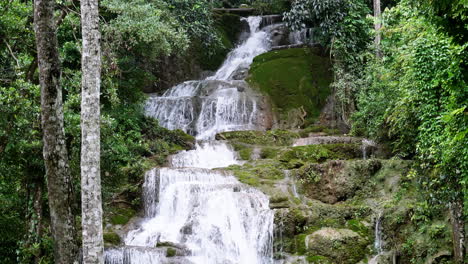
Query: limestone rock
point(337, 180)
point(341, 245)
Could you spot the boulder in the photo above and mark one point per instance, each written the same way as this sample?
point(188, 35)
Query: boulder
point(340, 245)
point(336, 180)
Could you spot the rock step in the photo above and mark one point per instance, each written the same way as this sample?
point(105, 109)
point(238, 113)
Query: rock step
point(319, 140)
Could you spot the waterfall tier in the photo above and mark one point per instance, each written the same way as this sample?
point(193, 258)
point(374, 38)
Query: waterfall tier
point(193, 214)
point(222, 102)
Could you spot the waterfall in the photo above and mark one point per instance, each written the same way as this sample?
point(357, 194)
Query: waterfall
point(302, 36)
point(378, 234)
point(222, 102)
point(378, 243)
point(366, 146)
point(193, 213)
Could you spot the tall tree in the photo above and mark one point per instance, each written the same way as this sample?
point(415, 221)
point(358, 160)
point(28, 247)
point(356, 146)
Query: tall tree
point(59, 184)
point(377, 26)
point(93, 249)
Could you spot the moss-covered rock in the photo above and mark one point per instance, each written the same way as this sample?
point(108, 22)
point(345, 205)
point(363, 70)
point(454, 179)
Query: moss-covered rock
point(258, 172)
point(244, 150)
point(111, 239)
point(336, 180)
point(339, 245)
point(121, 216)
point(297, 80)
point(316, 129)
point(252, 137)
point(171, 252)
point(320, 153)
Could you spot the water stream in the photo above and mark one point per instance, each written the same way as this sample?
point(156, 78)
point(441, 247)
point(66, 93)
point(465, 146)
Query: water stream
point(192, 213)
point(378, 241)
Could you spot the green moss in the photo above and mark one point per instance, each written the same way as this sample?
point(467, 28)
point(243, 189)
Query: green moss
point(170, 252)
point(300, 245)
point(293, 78)
point(111, 239)
point(121, 216)
point(278, 199)
point(321, 153)
point(340, 245)
point(269, 153)
point(308, 173)
point(246, 177)
point(259, 171)
point(271, 137)
point(318, 259)
point(318, 128)
point(358, 227)
point(245, 153)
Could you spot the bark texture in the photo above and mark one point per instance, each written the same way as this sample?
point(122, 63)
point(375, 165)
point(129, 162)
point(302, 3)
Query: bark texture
point(59, 184)
point(93, 249)
point(458, 230)
point(377, 26)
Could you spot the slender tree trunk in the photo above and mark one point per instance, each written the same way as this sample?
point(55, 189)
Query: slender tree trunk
point(377, 27)
point(93, 249)
point(59, 184)
point(35, 219)
point(458, 230)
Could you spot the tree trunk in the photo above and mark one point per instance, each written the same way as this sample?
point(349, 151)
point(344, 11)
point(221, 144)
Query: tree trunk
point(377, 27)
point(59, 183)
point(458, 230)
point(93, 249)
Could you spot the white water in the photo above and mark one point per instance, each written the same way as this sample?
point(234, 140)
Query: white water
point(210, 214)
point(378, 243)
point(221, 102)
point(209, 154)
point(366, 146)
point(302, 36)
point(242, 56)
point(207, 215)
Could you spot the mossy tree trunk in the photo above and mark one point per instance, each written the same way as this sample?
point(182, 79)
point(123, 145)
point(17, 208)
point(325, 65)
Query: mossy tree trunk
point(93, 244)
point(59, 183)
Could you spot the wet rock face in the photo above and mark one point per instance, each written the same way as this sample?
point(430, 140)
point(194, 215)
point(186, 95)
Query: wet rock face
point(335, 180)
point(279, 36)
point(211, 106)
point(347, 246)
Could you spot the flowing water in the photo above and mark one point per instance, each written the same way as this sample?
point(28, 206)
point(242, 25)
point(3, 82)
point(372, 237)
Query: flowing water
point(222, 102)
point(378, 243)
point(192, 213)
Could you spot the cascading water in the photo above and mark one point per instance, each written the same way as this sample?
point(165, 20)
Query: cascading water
point(378, 243)
point(302, 36)
point(194, 214)
point(222, 102)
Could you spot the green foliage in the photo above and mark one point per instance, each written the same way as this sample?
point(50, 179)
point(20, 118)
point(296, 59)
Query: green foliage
point(416, 98)
point(320, 153)
point(196, 17)
point(341, 24)
point(21, 164)
point(268, 7)
point(141, 22)
point(130, 142)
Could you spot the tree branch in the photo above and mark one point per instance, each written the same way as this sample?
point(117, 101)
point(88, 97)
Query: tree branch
point(11, 53)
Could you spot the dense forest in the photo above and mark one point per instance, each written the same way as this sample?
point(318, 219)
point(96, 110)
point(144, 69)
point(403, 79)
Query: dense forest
point(397, 75)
